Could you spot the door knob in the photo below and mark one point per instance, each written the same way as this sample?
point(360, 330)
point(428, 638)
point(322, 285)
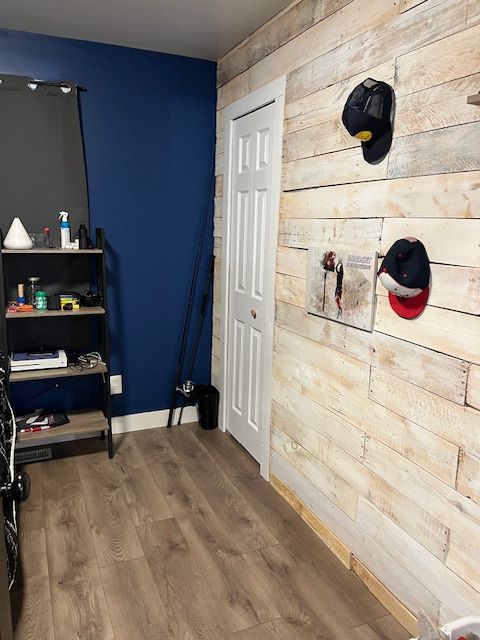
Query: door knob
point(18, 489)
point(253, 313)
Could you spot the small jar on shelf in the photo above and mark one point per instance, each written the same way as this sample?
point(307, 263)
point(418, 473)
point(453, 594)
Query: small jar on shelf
point(33, 288)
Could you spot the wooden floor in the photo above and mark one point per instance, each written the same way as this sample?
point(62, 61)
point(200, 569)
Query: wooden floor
point(178, 538)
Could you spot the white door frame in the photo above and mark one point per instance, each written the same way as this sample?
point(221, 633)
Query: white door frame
point(274, 92)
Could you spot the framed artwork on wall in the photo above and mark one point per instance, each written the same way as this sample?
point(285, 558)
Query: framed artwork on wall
point(341, 285)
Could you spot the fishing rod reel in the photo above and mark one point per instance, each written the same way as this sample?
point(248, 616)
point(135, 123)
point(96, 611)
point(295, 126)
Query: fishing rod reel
point(187, 388)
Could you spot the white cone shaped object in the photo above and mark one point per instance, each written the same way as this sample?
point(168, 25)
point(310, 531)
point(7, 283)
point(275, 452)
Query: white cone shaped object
point(17, 236)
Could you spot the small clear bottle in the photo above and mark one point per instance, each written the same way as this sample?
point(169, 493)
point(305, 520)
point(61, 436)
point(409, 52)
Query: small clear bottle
point(33, 287)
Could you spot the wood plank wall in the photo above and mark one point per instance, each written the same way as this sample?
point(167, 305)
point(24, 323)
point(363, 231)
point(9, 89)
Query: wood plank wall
point(378, 433)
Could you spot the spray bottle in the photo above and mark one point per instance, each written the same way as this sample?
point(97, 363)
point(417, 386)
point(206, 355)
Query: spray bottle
point(64, 229)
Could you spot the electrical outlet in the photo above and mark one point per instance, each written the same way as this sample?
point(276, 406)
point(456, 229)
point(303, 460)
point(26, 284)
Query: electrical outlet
point(116, 385)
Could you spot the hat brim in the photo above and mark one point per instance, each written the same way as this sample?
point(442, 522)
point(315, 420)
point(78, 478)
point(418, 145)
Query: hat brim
point(376, 150)
point(409, 308)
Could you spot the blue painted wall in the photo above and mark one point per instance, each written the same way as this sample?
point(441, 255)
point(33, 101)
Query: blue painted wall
point(149, 131)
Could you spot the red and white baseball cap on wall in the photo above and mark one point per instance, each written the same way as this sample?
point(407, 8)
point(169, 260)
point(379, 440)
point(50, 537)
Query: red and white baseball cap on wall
point(405, 273)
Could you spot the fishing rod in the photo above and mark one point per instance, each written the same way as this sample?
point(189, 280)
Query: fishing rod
point(188, 386)
point(191, 298)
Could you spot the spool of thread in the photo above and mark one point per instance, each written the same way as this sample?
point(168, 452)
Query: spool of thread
point(21, 295)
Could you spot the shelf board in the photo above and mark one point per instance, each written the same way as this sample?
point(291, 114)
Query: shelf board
point(53, 251)
point(90, 421)
point(83, 311)
point(63, 372)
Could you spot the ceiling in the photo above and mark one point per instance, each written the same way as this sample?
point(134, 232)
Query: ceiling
point(197, 28)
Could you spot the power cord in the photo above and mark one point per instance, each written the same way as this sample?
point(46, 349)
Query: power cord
point(86, 361)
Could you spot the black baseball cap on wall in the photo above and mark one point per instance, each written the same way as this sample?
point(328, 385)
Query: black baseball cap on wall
point(405, 273)
point(367, 115)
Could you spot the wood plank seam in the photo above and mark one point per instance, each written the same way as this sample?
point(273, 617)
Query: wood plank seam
point(433, 86)
point(447, 545)
point(287, 163)
point(459, 462)
point(452, 196)
point(364, 442)
point(51, 591)
point(430, 428)
point(384, 332)
point(407, 5)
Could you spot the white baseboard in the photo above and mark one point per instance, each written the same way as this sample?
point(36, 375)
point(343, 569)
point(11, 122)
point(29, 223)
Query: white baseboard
point(123, 424)
point(150, 420)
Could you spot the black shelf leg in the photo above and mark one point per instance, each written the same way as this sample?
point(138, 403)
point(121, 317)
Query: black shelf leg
point(104, 337)
point(110, 443)
point(107, 411)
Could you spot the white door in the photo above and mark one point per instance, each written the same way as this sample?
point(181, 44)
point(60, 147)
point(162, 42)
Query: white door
point(251, 188)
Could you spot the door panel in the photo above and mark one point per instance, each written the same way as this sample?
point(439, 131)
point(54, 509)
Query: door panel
point(244, 154)
point(242, 241)
point(238, 359)
point(250, 211)
point(259, 244)
point(254, 370)
point(263, 148)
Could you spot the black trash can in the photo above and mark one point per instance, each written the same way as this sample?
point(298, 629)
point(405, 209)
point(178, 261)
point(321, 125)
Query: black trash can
point(208, 398)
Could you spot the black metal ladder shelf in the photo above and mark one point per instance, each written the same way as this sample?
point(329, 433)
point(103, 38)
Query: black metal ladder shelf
point(90, 421)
